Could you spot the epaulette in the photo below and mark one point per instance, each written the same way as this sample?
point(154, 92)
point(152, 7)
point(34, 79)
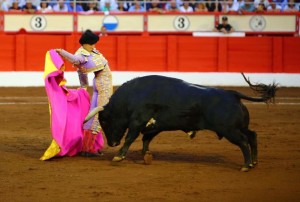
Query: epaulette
point(95, 51)
point(82, 51)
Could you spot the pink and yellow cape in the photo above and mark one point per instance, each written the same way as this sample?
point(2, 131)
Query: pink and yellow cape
point(68, 108)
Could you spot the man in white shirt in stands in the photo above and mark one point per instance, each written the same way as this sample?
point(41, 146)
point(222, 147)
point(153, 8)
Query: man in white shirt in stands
point(60, 6)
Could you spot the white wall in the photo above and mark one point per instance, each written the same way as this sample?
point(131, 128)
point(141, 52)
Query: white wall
point(26, 79)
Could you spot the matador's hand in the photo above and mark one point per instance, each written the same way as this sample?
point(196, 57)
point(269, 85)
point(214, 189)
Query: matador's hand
point(82, 69)
point(58, 50)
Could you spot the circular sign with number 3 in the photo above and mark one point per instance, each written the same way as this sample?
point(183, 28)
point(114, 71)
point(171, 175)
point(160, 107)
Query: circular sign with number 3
point(181, 23)
point(38, 22)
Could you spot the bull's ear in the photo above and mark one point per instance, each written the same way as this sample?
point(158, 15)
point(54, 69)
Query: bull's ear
point(92, 113)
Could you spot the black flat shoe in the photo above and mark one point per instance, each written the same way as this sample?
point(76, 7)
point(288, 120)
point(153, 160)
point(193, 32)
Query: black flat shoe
point(90, 154)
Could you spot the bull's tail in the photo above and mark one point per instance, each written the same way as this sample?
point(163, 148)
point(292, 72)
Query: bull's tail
point(266, 93)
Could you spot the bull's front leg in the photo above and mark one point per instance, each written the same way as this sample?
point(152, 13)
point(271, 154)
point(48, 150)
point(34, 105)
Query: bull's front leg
point(147, 138)
point(130, 138)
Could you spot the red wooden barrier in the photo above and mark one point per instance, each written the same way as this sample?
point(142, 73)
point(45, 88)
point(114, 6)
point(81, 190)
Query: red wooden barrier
point(26, 52)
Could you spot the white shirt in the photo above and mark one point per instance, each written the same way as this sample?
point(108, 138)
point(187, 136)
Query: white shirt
point(57, 9)
point(189, 9)
point(45, 10)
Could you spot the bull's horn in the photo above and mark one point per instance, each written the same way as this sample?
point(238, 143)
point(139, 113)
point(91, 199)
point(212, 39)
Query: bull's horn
point(92, 113)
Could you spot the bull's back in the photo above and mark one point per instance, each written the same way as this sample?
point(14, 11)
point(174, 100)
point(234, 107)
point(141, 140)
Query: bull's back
point(150, 87)
point(157, 89)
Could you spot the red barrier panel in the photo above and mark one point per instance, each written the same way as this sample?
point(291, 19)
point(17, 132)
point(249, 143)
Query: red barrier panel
point(26, 52)
point(7, 53)
point(290, 55)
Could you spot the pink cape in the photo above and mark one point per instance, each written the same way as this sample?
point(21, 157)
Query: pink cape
point(68, 108)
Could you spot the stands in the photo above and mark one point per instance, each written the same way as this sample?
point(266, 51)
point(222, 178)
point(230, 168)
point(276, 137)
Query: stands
point(286, 24)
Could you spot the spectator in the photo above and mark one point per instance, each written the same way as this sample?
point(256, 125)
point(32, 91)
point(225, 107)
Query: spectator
point(274, 7)
point(29, 7)
point(248, 6)
point(44, 7)
point(108, 7)
point(60, 6)
point(200, 7)
point(224, 27)
point(212, 6)
point(280, 3)
point(237, 4)
point(136, 7)
point(154, 6)
point(4, 5)
point(232, 6)
point(78, 7)
point(112, 5)
point(226, 6)
point(91, 6)
point(261, 8)
point(170, 6)
point(258, 3)
point(123, 5)
point(15, 6)
point(23, 2)
point(185, 7)
point(291, 7)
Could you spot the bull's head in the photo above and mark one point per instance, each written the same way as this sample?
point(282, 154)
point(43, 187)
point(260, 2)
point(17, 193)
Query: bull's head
point(112, 127)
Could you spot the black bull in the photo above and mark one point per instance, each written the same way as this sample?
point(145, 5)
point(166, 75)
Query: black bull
point(152, 104)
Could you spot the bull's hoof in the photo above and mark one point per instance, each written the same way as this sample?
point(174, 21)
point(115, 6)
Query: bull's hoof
point(118, 158)
point(148, 158)
point(191, 134)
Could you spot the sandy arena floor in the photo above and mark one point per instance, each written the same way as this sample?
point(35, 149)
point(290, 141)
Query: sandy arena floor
point(202, 169)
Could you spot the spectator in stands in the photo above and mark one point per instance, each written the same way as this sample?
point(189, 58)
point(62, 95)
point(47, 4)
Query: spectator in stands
point(60, 6)
point(291, 6)
point(186, 7)
point(111, 5)
point(77, 8)
point(91, 6)
point(29, 7)
point(224, 27)
point(261, 8)
point(212, 6)
point(258, 3)
point(107, 7)
point(274, 7)
point(15, 6)
point(232, 6)
point(172, 6)
point(154, 6)
point(248, 6)
point(227, 6)
point(200, 7)
point(280, 3)
point(136, 7)
point(34, 2)
point(4, 5)
point(44, 7)
point(123, 6)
